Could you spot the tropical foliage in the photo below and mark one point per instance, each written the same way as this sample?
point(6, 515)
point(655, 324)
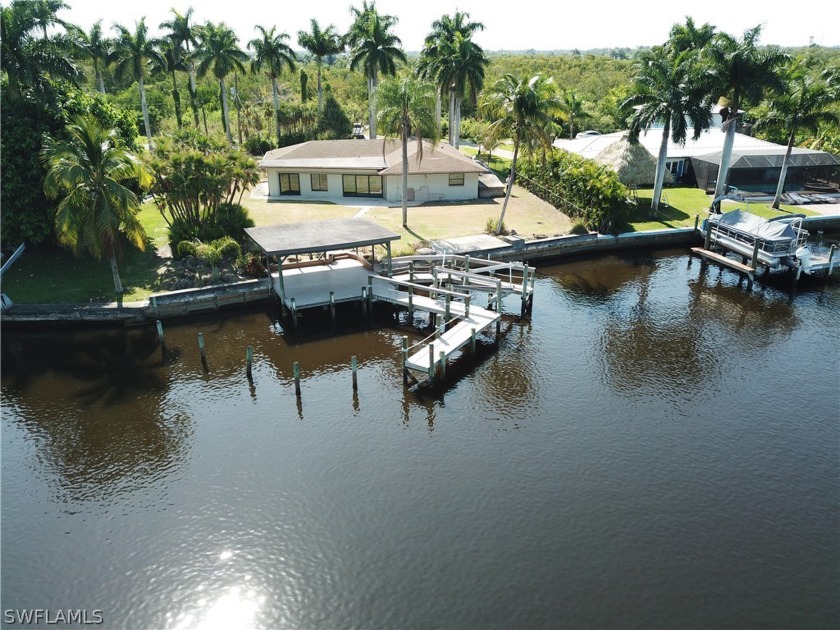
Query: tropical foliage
point(320, 43)
point(196, 182)
point(374, 49)
point(408, 110)
point(97, 209)
point(455, 63)
point(581, 188)
point(521, 109)
point(805, 105)
point(670, 89)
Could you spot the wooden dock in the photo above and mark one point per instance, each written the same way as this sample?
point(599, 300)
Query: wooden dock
point(725, 261)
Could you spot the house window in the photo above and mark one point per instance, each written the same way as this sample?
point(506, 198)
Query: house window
point(456, 179)
point(289, 184)
point(362, 185)
point(319, 182)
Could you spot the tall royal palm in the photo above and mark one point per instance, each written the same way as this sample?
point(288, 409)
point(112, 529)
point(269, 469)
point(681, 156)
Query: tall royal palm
point(374, 49)
point(272, 54)
point(94, 47)
point(454, 62)
point(320, 43)
point(89, 172)
point(169, 62)
point(805, 104)
point(522, 109)
point(744, 72)
point(219, 52)
point(408, 109)
point(668, 89)
point(184, 34)
point(131, 53)
point(29, 61)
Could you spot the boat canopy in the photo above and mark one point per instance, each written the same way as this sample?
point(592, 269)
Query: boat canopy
point(762, 228)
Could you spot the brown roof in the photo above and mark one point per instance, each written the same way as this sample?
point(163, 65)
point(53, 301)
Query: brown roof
point(383, 155)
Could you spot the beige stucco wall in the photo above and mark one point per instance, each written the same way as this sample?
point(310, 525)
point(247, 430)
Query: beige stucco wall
point(433, 187)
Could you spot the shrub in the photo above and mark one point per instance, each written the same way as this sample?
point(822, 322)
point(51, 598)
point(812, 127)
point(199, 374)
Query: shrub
point(187, 248)
point(490, 227)
point(251, 265)
point(231, 221)
point(579, 227)
point(581, 188)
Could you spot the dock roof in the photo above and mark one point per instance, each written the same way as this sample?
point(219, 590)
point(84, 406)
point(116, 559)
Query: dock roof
point(319, 236)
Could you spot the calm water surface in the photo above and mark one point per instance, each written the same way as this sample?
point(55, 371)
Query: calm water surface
point(656, 448)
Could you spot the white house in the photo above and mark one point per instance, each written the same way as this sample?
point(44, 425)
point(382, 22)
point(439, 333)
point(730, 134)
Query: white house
point(342, 169)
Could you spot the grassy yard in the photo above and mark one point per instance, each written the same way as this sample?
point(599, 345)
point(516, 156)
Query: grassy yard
point(526, 214)
point(56, 276)
point(679, 206)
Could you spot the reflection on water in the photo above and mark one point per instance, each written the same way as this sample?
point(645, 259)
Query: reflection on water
point(657, 447)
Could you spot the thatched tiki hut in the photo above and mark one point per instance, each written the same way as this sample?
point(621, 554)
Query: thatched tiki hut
point(632, 161)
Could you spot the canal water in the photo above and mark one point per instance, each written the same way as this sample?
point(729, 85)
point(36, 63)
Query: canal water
point(655, 448)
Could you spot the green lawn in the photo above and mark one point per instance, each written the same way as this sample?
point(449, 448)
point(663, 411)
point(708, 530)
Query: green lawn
point(679, 206)
point(55, 276)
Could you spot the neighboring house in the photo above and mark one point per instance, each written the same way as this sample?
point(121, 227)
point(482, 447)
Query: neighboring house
point(755, 163)
point(341, 169)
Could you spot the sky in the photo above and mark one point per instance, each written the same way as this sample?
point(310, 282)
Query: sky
point(509, 24)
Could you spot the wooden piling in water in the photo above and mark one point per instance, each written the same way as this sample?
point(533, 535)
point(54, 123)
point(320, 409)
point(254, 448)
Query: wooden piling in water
point(467, 263)
point(353, 371)
point(364, 302)
point(708, 237)
point(294, 313)
point(201, 347)
point(696, 221)
point(438, 325)
point(296, 372)
point(472, 341)
point(446, 308)
point(442, 365)
point(524, 304)
point(411, 270)
point(405, 358)
point(432, 363)
point(160, 332)
point(249, 358)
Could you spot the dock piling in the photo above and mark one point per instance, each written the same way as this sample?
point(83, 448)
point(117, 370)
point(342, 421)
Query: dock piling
point(432, 363)
point(160, 333)
point(332, 306)
point(364, 302)
point(442, 365)
point(249, 358)
point(353, 371)
point(201, 350)
point(472, 341)
point(296, 372)
point(294, 313)
point(405, 358)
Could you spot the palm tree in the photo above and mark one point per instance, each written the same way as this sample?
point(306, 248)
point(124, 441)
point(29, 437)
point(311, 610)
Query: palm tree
point(218, 50)
point(97, 209)
point(669, 89)
point(94, 47)
point(743, 72)
point(183, 34)
point(573, 110)
point(408, 109)
point(29, 61)
point(131, 53)
point(523, 110)
point(688, 37)
point(320, 43)
point(169, 62)
point(805, 104)
point(454, 62)
point(271, 53)
point(374, 49)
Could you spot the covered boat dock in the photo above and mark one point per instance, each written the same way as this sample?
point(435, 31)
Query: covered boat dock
point(336, 274)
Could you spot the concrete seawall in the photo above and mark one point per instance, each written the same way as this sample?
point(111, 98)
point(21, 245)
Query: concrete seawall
point(187, 302)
